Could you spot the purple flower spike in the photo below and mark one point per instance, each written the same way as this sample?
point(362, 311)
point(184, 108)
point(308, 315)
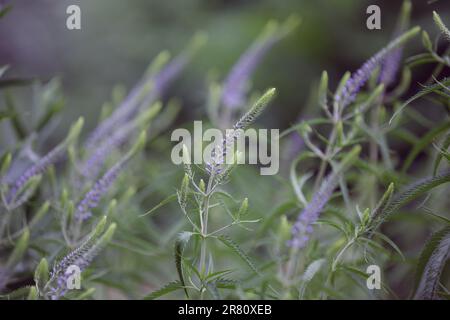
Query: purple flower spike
point(78, 260)
point(92, 198)
point(138, 95)
point(358, 80)
point(34, 170)
point(92, 166)
point(302, 228)
point(390, 67)
point(235, 84)
point(168, 74)
point(353, 85)
point(119, 116)
point(42, 165)
point(234, 88)
point(391, 64)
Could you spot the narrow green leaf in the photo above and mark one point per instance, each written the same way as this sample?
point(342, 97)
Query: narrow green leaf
point(441, 154)
point(384, 201)
point(41, 275)
point(276, 213)
point(242, 210)
point(323, 90)
point(180, 242)
point(437, 216)
point(168, 288)
point(53, 109)
point(217, 274)
point(236, 249)
point(11, 108)
point(33, 294)
point(5, 163)
point(426, 41)
point(212, 288)
point(437, 19)
point(42, 211)
point(158, 63)
point(410, 193)
point(312, 269)
point(19, 249)
point(427, 90)
point(167, 200)
point(86, 294)
point(424, 142)
point(392, 244)
point(431, 263)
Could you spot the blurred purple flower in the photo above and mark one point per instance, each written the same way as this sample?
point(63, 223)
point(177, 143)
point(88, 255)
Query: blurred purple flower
point(358, 79)
point(93, 196)
point(80, 258)
point(92, 166)
point(390, 67)
point(234, 88)
point(61, 288)
point(309, 215)
point(130, 106)
point(392, 61)
point(35, 170)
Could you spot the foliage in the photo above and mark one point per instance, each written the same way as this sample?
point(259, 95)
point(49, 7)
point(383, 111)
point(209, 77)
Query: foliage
point(355, 176)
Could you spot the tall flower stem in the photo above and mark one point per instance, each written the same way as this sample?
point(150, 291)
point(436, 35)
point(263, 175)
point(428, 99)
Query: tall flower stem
point(291, 268)
point(373, 149)
point(292, 263)
point(328, 153)
point(204, 226)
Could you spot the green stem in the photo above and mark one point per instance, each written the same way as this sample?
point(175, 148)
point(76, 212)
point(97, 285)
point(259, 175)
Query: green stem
point(291, 263)
point(373, 149)
point(324, 162)
point(335, 262)
point(204, 228)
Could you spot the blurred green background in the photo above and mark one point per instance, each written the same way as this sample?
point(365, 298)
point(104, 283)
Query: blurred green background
point(119, 38)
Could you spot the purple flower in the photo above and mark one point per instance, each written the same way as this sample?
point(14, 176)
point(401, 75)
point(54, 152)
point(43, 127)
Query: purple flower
point(93, 196)
point(235, 84)
point(392, 61)
point(219, 153)
point(302, 228)
point(169, 73)
point(295, 142)
point(121, 115)
point(81, 257)
point(42, 165)
point(61, 281)
point(223, 147)
point(78, 260)
point(101, 186)
point(92, 166)
point(358, 79)
point(36, 169)
point(234, 88)
point(136, 98)
point(390, 66)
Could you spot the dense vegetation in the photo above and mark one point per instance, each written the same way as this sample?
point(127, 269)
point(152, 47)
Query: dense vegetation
point(359, 185)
